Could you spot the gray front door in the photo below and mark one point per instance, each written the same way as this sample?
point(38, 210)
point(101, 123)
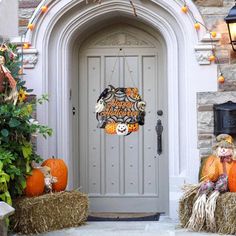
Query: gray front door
point(122, 174)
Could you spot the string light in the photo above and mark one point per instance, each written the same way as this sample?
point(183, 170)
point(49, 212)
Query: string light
point(26, 45)
point(212, 34)
point(185, 9)
point(44, 9)
point(31, 27)
point(212, 58)
point(221, 79)
point(197, 26)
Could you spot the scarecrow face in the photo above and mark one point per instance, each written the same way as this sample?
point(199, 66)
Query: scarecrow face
point(2, 60)
point(222, 151)
point(122, 129)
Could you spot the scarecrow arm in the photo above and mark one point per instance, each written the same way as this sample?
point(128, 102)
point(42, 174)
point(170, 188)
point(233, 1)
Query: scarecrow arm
point(8, 75)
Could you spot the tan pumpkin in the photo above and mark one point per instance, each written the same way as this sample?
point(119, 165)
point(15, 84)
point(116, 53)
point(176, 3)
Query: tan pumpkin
point(35, 184)
point(59, 170)
point(110, 128)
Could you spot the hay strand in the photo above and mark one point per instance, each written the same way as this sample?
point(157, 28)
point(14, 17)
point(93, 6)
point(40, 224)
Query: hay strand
point(225, 212)
point(190, 189)
point(49, 212)
point(197, 219)
point(210, 211)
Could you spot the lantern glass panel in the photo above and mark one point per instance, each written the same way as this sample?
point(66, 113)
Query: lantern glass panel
point(232, 27)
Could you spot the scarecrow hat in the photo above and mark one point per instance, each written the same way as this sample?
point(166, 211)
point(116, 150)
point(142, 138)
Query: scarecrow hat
point(224, 141)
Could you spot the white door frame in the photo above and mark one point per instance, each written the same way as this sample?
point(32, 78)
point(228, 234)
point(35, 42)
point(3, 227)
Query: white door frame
point(67, 21)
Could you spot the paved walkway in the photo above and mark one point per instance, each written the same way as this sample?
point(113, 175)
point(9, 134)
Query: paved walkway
point(127, 229)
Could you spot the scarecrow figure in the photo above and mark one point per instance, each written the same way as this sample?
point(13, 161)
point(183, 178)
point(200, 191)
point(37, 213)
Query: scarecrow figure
point(49, 180)
point(5, 74)
point(214, 177)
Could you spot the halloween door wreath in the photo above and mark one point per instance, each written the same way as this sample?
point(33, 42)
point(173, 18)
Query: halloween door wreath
point(120, 110)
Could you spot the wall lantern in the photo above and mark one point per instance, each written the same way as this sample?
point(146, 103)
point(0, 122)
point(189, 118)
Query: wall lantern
point(231, 22)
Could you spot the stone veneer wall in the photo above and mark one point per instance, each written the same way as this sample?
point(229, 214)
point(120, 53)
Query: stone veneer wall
point(213, 12)
point(26, 10)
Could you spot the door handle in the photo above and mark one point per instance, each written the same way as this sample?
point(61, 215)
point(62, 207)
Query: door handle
point(159, 130)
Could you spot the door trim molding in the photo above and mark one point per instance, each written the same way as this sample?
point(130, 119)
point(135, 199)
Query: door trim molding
point(54, 38)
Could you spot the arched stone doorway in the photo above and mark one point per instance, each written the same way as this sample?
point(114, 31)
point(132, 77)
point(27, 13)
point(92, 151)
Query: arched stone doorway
point(70, 22)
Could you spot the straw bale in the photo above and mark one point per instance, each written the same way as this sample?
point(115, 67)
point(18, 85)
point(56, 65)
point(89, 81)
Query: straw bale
point(49, 212)
point(185, 209)
point(225, 213)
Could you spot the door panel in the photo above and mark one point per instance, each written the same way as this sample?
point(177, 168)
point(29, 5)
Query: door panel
point(94, 142)
point(121, 174)
point(151, 165)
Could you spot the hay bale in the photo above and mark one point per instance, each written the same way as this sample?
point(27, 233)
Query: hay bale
point(185, 209)
point(49, 212)
point(225, 213)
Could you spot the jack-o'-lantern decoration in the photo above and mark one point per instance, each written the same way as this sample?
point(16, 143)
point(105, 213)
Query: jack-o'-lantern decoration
point(122, 129)
point(120, 111)
point(111, 128)
point(133, 127)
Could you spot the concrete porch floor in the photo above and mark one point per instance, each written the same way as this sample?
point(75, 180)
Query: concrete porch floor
point(126, 229)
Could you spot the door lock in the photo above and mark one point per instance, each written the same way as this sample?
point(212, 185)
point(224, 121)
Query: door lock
point(160, 113)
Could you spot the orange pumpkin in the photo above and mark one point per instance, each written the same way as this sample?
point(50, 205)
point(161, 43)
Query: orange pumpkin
point(210, 169)
point(111, 128)
point(58, 170)
point(35, 184)
point(133, 127)
point(228, 168)
point(232, 177)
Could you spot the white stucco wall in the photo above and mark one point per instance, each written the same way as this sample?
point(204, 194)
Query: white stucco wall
point(8, 18)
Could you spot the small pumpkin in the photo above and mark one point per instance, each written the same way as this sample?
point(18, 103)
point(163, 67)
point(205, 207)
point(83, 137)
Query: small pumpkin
point(58, 170)
point(35, 183)
point(232, 177)
point(111, 128)
point(133, 127)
